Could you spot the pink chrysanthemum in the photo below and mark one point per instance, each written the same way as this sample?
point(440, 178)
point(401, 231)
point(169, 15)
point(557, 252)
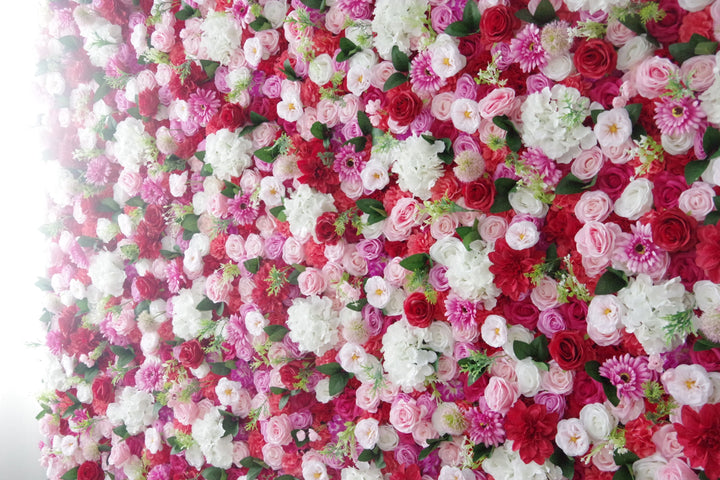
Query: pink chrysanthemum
point(527, 49)
point(540, 164)
point(678, 116)
point(98, 171)
point(348, 163)
point(460, 313)
point(485, 427)
point(153, 193)
point(628, 374)
point(203, 104)
point(638, 252)
point(423, 78)
point(150, 377)
point(242, 209)
point(175, 276)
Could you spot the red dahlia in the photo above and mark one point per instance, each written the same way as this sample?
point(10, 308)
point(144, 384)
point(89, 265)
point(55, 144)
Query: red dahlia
point(699, 434)
point(532, 430)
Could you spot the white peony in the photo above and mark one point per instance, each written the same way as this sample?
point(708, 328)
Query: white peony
point(107, 273)
point(313, 324)
point(228, 153)
point(209, 433)
point(398, 22)
point(133, 145)
point(187, 320)
point(221, 37)
point(417, 165)
point(133, 408)
point(408, 359)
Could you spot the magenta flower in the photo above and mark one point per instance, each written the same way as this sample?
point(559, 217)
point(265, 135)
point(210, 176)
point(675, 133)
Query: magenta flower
point(678, 116)
point(527, 50)
point(423, 78)
point(628, 374)
point(203, 105)
point(242, 209)
point(486, 426)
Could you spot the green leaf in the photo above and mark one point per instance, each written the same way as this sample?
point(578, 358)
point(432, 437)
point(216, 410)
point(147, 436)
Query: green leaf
point(358, 305)
point(711, 141)
point(400, 60)
point(469, 234)
point(260, 23)
point(694, 170)
point(481, 451)
point(169, 254)
point(279, 213)
point(592, 368)
point(702, 344)
point(44, 284)
point(329, 369)
point(570, 184)
point(338, 382)
point(89, 373)
point(230, 423)
point(471, 15)
point(186, 12)
point(358, 142)
point(71, 42)
point(458, 29)
point(289, 72)
point(209, 67)
point(627, 458)
point(566, 464)
point(176, 446)
point(512, 138)
point(254, 466)
point(125, 355)
point(214, 473)
point(594, 114)
point(681, 51)
point(109, 205)
point(314, 4)
point(298, 443)
point(395, 80)
point(207, 305)
point(70, 474)
point(206, 170)
point(267, 154)
point(89, 242)
point(276, 332)
point(286, 477)
point(370, 206)
point(522, 350)
point(134, 112)
point(364, 123)
point(257, 119)
point(200, 155)
point(706, 48)
point(219, 368)
point(121, 431)
point(347, 49)
point(252, 265)
point(544, 13)
point(634, 110)
point(634, 23)
point(416, 263)
point(525, 15)
point(503, 186)
point(624, 473)
point(611, 281)
point(712, 218)
point(367, 455)
point(540, 348)
point(320, 131)
point(100, 93)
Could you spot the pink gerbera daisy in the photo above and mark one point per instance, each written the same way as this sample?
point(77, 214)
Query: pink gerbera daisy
point(628, 374)
point(486, 426)
point(242, 209)
point(638, 251)
point(348, 163)
point(527, 49)
point(678, 116)
point(203, 104)
point(423, 78)
point(98, 171)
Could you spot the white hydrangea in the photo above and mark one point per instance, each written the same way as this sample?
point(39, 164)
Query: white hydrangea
point(133, 145)
point(552, 120)
point(364, 472)
point(228, 153)
point(417, 165)
point(107, 273)
point(408, 358)
point(134, 408)
point(397, 22)
point(648, 307)
point(102, 39)
point(506, 464)
point(313, 324)
point(209, 433)
point(303, 208)
point(187, 320)
point(593, 6)
point(468, 271)
point(221, 37)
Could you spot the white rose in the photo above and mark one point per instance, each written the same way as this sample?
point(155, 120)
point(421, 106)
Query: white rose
point(523, 200)
point(707, 295)
point(558, 68)
point(678, 144)
point(439, 337)
point(647, 468)
point(321, 69)
point(694, 5)
point(597, 421)
point(633, 52)
point(274, 11)
point(528, 377)
point(522, 235)
point(636, 200)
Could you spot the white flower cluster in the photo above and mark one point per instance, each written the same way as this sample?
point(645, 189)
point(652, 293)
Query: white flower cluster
point(209, 433)
point(313, 324)
point(221, 37)
point(408, 358)
point(107, 273)
point(468, 271)
point(593, 6)
point(133, 145)
point(186, 318)
point(102, 38)
point(303, 208)
point(648, 307)
point(418, 166)
point(228, 153)
point(397, 22)
point(506, 464)
point(553, 121)
point(133, 408)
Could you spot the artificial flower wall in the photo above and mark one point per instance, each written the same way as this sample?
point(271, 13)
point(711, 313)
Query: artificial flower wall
point(393, 239)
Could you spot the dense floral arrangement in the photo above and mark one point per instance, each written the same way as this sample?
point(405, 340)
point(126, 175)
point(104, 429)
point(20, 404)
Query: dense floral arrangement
point(392, 239)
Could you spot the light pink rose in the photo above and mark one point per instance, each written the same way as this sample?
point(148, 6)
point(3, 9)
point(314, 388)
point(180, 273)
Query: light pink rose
point(604, 459)
point(423, 431)
point(235, 247)
point(446, 368)
point(441, 106)
point(627, 410)
point(217, 289)
point(618, 34)
point(500, 394)
point(498, 102)
point(348, 108)
point(394, 273)
point(544, 295)
point(652, 76)
point(269, 39)
point(240, 451)
point(119, 454)
point(503, 367)
point(335, 20)
point(130, 182)
point(380, 72)
point(698, 72)
point(305, 123)
point(697, 201)
point(366, 398)
point(293, 251)
point(493, 228)
point(277, 430)
point(595, 240)
point(273, 455)
point(676, 469)
point(665, 439)
point(404, 415)
point(556, 380)
point(311, 282)
point(163, 38)
point(588, 163)
point(327, 112)
point(450, 453)
point(593, 206)
point(217, 206)
point(186, 413)
point(253, 245)
point(443, 227)
point(355, 264)
point(488, 129)
point(332, 272)
point(402, 218)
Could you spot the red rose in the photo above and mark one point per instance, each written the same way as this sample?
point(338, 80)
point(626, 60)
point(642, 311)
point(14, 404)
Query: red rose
point(595, 58)
point(146, 287)
point(191, 354)
point(567, 348)
point(90, 471)
point(232, 116)
point(418, 310)
point(403, 105)
point(289, 374)
point(708, 251)
point(102, 389)
point(497, 24)
point(325, 228)
point(673, 230)
point(148, 101)
point(479, 194)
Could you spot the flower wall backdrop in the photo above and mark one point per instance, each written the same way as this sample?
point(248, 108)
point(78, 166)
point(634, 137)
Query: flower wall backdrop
point(392, 239)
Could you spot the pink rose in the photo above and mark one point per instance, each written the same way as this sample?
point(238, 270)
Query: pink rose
point(593, 206)
point(217, 206)
point(697, 201)
point(163, 38)
point(130, 182)
point(404, 415)
point(402, 218)
point(293, 251)
point(493, 228)
point(588, 163)
point(665, 439)
point(235, 248)
point(441, 105)
point(348, 108)
point(273, 455)
point(652, 76)
point(355, 264)
point(327, 112)
point(311, 282)
point(217, 288)
point(395, 274)
point(595, 240)
point(544, 295)
point(277, 430)
point(253, 245)
point(676, 469)
point(119, 454)
point(700, 72)
point(498, 102)
point(500, 394)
